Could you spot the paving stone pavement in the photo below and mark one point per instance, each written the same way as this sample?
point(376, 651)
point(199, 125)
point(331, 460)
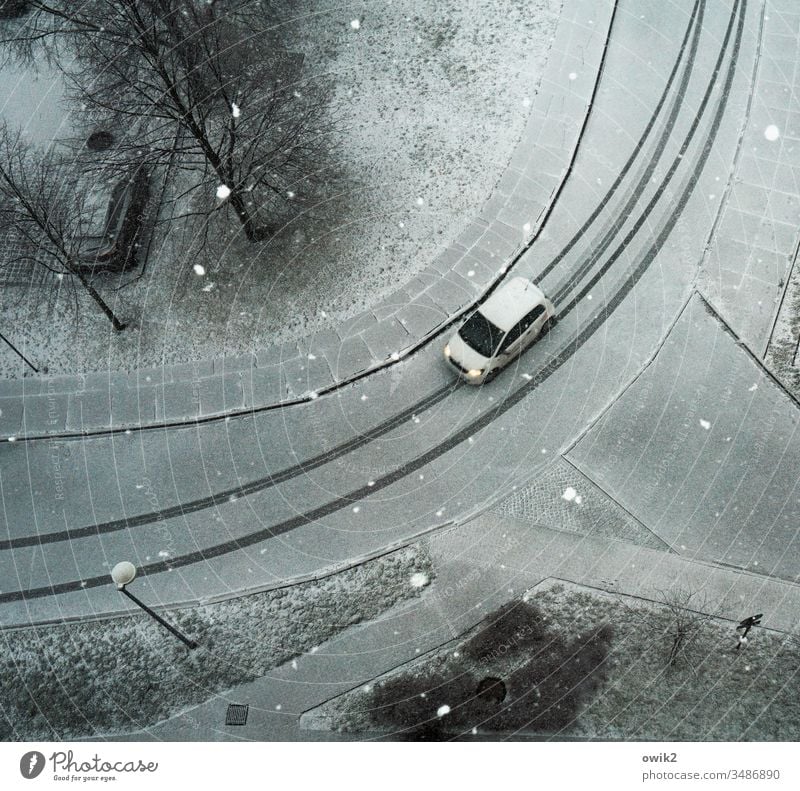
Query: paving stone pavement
point(301, 369)
point(564, 498)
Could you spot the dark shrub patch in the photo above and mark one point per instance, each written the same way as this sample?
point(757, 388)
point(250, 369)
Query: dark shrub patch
point(540, 681)
point(491, 690)
point(515, 627)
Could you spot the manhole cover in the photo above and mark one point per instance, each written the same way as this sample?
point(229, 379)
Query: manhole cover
point(492, 690)
point(237, 714)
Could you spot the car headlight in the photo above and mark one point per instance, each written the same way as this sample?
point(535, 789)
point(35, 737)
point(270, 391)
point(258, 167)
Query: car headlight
point(447, 350)
point(475, 373)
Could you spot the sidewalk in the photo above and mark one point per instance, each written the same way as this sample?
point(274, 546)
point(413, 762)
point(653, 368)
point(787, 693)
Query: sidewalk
point(751, 256)
point(478, 566)
point(416, 313)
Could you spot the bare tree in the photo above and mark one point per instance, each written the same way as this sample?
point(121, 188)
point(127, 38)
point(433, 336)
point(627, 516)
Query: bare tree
point(687, 616)
point(42, 203)
point(203, 85)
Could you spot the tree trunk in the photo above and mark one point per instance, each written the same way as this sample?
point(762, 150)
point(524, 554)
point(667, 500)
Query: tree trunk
point(253, 232)
point(95, 295)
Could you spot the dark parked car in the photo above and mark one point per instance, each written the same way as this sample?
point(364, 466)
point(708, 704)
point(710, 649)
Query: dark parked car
point(115, 219)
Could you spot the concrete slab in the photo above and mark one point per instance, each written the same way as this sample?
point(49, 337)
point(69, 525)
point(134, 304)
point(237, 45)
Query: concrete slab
point(703, 449)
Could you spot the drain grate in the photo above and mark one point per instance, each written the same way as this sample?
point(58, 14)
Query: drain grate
point(237, 714)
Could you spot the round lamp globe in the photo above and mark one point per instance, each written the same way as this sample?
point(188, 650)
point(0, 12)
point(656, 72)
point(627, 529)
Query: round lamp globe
point(123, 573)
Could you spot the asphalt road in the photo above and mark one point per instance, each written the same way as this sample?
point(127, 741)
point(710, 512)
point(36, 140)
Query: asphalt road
point(256, 500)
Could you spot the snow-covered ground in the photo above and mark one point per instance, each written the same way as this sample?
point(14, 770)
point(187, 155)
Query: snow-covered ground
point(431, 98)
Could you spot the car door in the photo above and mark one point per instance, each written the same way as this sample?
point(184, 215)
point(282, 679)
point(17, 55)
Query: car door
point(532, 324)
point(510, 345)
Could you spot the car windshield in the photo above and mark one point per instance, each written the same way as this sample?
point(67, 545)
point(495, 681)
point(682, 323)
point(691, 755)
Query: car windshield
point(481, 334)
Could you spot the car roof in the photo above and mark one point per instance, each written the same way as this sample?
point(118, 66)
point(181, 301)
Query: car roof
point(511, 302)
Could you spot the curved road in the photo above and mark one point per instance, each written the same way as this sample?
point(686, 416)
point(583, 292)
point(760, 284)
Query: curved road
point(256, 500)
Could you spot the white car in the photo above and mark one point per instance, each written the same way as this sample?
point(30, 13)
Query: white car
point(499, 330)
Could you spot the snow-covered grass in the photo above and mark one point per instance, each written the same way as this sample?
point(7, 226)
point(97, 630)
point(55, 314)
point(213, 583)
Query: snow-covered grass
point(716, 693)
point(82, 679)
point(431, 100)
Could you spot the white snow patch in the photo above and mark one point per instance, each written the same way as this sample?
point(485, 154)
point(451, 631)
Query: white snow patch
point(223, 191)
point(705, 424)
point(419, 579)
point(772, 133)
point(199, 269)
point(442, 710)
point(569, 494)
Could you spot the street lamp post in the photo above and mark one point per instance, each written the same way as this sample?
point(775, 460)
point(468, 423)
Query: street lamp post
point(123, 574)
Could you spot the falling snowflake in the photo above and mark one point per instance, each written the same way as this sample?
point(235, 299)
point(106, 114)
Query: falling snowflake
point(772, 133)
point(355, 24)
point(223, 191)
point(705, 424)
point(199, 269)
point(235, 110)
point(569, 494)
point(442, 710)
point(753, 388)
point(419, 579)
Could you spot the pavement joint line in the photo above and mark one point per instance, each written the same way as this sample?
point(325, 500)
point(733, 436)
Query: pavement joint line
point(795, 399)
point(392, 359)
point(725, 198)
point(631, 382)
point(584, 474)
